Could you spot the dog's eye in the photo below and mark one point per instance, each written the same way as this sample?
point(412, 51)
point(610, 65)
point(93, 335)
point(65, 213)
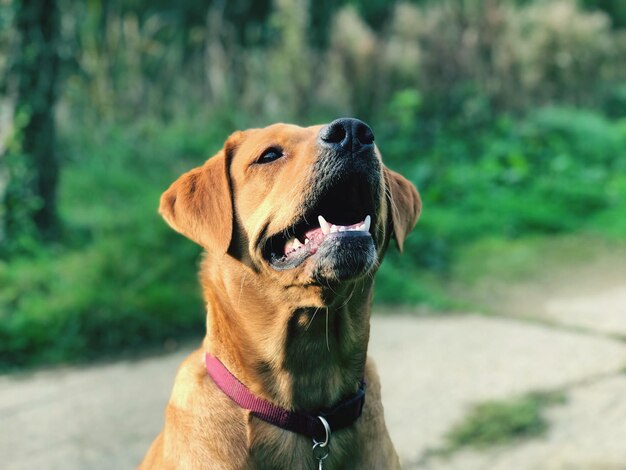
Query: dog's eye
point(270, 155)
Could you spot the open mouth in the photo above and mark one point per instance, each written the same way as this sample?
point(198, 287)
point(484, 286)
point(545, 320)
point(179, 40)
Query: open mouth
point(344, 212)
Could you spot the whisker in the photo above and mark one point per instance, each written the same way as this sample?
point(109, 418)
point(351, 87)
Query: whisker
point(327, 341)
point(349, 298)
point(331, 289)
point(243, 281)
point(393, 204)
point(312, 318)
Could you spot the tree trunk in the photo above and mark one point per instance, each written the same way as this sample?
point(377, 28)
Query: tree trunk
point(33, 169)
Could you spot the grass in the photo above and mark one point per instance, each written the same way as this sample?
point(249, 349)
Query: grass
point(516, 276)
point(495, 423)
point(531, 257)
point(499, 204)
point(121, 280)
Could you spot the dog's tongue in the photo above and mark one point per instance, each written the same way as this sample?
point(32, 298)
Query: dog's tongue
point(315, 236)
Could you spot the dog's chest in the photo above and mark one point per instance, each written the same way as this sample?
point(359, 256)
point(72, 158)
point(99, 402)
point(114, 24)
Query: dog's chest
point(273, 448)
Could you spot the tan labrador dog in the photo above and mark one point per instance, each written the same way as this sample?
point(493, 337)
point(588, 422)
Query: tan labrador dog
point(295, 222)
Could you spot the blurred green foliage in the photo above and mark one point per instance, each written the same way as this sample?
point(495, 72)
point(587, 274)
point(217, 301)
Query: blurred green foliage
point(558, 170)
point(505, 137)
point(122, 279)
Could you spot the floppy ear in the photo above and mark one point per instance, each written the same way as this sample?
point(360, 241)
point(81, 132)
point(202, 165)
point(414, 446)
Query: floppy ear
point(405, 205)
point(198, 205)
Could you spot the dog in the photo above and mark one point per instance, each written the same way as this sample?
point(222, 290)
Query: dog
point(294, 223)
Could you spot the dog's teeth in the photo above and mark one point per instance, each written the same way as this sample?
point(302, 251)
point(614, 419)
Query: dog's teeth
point(367, 223)
point(341, 228)
point(297, 244)
point(325, 226)
point(289, 246)
point(334, 229)
point(306, 241)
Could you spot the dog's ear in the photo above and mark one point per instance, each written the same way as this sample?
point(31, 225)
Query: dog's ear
point(198, 204)
point(405, 205)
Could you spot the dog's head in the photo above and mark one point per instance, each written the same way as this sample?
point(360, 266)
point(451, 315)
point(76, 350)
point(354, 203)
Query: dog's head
point(304, 206)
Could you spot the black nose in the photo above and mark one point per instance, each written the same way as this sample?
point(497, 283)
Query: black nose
point(347, 133)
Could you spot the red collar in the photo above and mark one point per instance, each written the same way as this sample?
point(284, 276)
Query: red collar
point(341, 416)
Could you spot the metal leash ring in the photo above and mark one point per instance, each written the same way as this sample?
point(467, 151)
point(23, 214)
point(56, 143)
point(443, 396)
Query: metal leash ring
point(320, 449)
point(319, 452)
point(325, 442)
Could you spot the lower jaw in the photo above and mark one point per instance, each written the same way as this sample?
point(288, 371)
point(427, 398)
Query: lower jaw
point(334, 245)
point(345, 259)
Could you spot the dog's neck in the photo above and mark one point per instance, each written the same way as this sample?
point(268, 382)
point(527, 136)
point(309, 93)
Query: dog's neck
point(298, 357)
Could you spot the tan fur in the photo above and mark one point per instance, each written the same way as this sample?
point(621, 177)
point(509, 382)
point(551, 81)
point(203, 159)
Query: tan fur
point(294, 342)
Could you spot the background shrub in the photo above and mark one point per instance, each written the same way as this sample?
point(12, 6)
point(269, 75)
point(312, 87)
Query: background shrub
point(509, 116)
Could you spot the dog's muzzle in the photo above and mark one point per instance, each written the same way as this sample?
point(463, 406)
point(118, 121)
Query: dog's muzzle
point(340, 209)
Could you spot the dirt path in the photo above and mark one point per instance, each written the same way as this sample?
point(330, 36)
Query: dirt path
point(432, 368)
